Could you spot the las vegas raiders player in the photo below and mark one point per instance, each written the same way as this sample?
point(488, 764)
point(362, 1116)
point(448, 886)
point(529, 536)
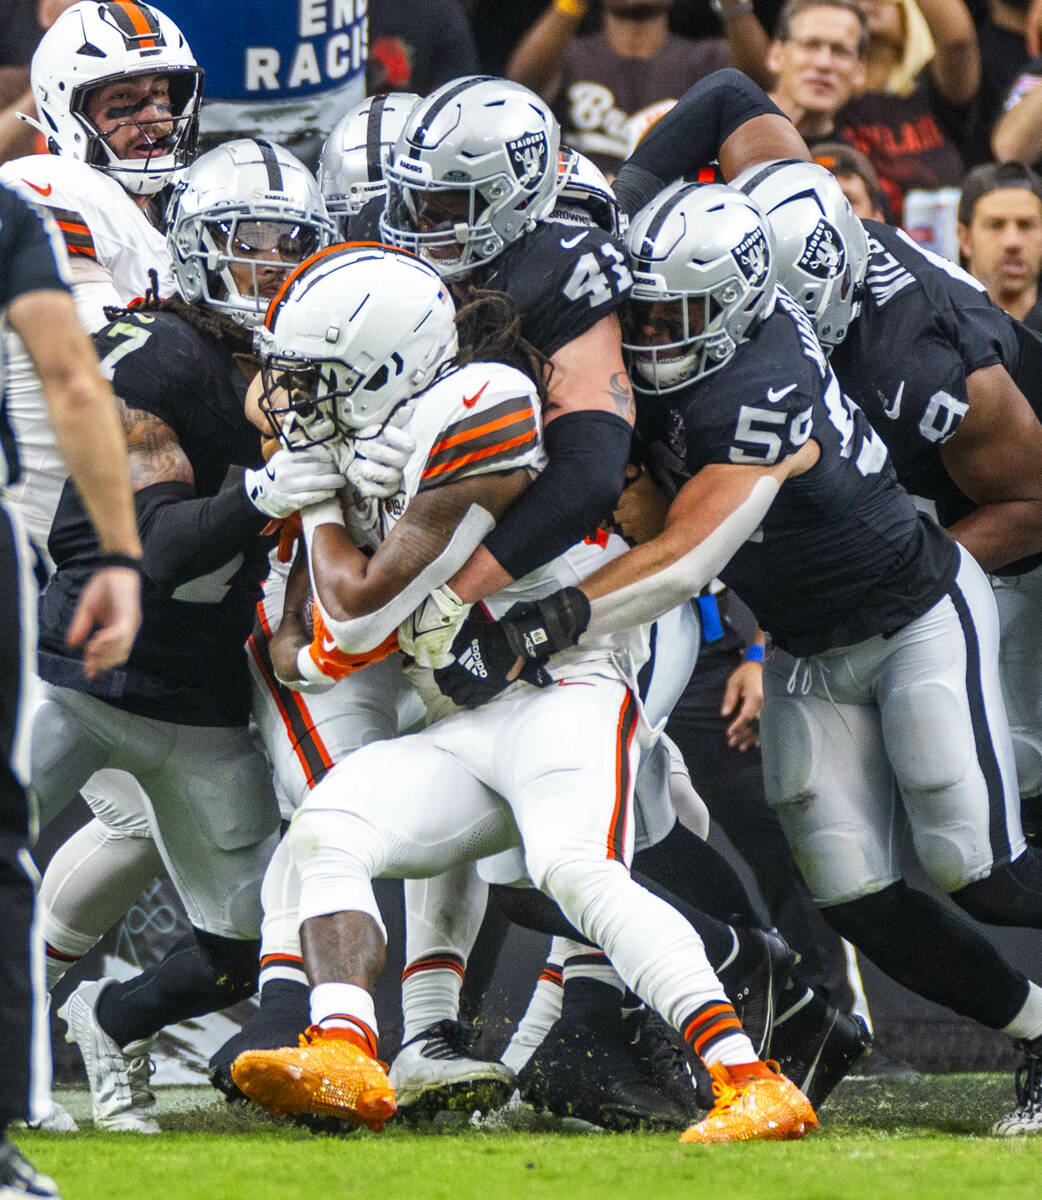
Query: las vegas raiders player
point(880, 622)
point(246, 213)
point(935, 365)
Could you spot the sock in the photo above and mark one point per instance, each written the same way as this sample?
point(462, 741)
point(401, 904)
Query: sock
point(279, 1021)
point(1027, 1024)
point(430, 992)
point(715, 1034)
point(349, 1007)
point(202, 973)
point(58, 963)
point(288, 967)
point(543, 1010)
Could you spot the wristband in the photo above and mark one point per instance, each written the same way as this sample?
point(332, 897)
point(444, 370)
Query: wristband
point(576, 9)
point(100, 561)
point(754, 653)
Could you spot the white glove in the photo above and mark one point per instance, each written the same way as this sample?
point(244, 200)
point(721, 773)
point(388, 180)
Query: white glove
point(293, 479)
point(381, 453)
point(428, 633)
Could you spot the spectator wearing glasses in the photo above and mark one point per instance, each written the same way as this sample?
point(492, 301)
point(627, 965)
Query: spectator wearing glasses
point(817, 56)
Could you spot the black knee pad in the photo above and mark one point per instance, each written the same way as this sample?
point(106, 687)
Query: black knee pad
point(235, 964)
point(1011, 894)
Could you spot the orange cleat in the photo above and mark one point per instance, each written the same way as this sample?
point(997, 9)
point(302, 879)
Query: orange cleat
point(327, 1074)
point(765, 1108)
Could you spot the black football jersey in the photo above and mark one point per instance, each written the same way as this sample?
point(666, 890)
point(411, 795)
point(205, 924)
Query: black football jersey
point(188, 663)
point(842, 554)
point(924, 326)
point(563, 278)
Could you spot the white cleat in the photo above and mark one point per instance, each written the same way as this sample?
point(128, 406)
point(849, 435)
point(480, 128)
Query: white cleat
point(1026, 1118)
point(434, 1072)
point(57, 1119)
point(118, 1078)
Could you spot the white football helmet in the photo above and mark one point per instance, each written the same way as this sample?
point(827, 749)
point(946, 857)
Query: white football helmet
point(356, 332)
point(821, 245)
point(357, 151)
point(706, 249)
point(583, 190)
point(93, 44)
point(474, 169)
point(250, 208)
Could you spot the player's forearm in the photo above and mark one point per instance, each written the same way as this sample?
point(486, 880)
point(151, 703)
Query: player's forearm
point(538, 58)
point(1001, 533)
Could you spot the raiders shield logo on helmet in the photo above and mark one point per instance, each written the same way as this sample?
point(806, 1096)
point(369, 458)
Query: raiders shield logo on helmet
point(823, 255)
point(528, 158)
point(753, 256)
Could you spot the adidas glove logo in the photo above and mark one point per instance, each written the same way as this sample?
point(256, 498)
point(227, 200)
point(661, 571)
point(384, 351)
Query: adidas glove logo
point(470, 660)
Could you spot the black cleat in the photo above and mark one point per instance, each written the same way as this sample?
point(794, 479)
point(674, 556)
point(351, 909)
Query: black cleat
point(819, 1061)
point(755, 996)
point(19, 1179)
point(590, 1072)
point(663, 1061)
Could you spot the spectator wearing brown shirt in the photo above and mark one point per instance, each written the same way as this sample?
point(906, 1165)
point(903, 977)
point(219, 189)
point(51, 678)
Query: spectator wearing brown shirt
point(607, 88)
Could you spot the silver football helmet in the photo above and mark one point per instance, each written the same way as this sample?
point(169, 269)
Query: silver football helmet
point(583, 191)
point(474, 168)
point(245, 215)
point(821, 245)
point(703, 271)
point(353, 334)
point(356, 153)
point(93, 44)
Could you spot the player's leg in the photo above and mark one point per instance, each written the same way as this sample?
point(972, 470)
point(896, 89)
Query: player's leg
point(401, 809)
point(572, 801)
point(215, 823)
point(98, 872)
point(1019, 601)
point(25, 1085)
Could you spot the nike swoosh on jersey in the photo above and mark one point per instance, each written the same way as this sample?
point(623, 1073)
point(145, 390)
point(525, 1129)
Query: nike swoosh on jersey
point(776, 394)
point(470, 401)
point(893, 410)
point(569, 243)
point(44, 191)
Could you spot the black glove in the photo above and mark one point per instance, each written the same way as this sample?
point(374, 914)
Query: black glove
point(486, 651)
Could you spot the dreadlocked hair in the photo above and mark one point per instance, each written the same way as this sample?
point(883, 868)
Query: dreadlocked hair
point(489, 328)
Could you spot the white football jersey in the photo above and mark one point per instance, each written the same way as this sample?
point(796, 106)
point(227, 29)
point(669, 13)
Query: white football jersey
point(112, 247)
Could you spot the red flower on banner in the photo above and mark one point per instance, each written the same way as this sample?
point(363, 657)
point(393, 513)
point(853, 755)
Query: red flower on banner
point(396, 59)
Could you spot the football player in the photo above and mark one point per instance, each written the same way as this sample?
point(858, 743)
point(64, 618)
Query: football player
point(884, 629)
point(177, 719)
point(117, 93)
point(935, 365)
point(506, 771)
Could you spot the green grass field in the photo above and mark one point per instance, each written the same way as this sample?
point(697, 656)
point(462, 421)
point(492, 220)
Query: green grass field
point(880, 1139)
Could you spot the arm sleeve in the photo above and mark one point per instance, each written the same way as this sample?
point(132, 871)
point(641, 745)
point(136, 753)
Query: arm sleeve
point(690, 135)
point(31, 254)
point(183, 536)
point(587, 454)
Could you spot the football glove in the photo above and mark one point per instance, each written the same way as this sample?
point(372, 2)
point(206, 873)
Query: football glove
point(485, 652)
point(381, 453)
point(293, 479)
point(428, 633)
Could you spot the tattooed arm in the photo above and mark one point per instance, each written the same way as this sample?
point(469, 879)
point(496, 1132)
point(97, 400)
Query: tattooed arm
point(588, 416)
point(183, 536)
point(153, 450)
